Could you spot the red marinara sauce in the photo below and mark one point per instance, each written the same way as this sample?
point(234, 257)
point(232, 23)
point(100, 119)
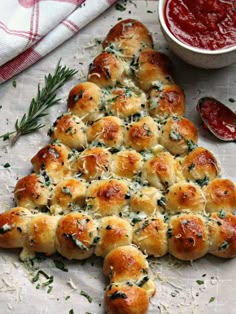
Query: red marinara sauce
point(220, 120)
point(207, 24)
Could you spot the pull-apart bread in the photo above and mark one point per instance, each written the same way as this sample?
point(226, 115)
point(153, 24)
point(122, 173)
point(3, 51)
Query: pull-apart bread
point(123, 176)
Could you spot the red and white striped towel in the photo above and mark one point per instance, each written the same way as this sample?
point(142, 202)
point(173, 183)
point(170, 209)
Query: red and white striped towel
point(30, 29)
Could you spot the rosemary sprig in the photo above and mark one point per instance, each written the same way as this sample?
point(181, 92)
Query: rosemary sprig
point(46, 98)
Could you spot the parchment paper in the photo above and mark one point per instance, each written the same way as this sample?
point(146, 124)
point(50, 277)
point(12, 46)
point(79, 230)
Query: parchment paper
point(177, 289)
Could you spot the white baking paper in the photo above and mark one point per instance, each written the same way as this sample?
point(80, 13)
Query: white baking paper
point(176, 282)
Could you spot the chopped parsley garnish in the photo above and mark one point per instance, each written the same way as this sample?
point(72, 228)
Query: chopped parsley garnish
point(84, 294)
point(127, 196)
point(144, 225)
point(95, 240)
point(118, 295)
point(212, 299)
point(147, 129)
point(224, 246)
point(6, 227)
point(174, 135)
point(6, 165)
point(222, 214)
point(169, 232)
point(71, 311)
point(60, 265)
point(108, 227)
point(141, 282)
point(47, 283)
point(66, 190)
point(203, 181)
point(200, 282)
point(14, 83)
point(191, 145)
point(136, 219)
point(120, 7)
point(190, 167)
point(77, 242)
point(161, 202)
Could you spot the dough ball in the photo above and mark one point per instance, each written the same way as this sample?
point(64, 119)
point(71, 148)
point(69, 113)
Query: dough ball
point(187, 236)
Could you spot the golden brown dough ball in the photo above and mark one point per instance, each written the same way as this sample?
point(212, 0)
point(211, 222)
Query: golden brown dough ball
point(41, 234)
point(31, 192)
point(52, 162)
point(125, 263)
point(13, 227)
point(220, 194)
point(150, 235)
point(107, 197)
point(84, 101)
point(188, 236)
point(185, 196)
point(142, 135)
point(165, 100)
point(92, 163)
point(222, 234)
point(127, 38)
point(123, 102)
point(69, 130)
point(178, 134)
point(148, 200)
point(127, 163)
point(125, 299)
point(200, 166)
point(113, 232)
point(76, 236)
point(161, 171)
point(68, 194)
point(106, 70)
point(107, 130)
point(153, 68)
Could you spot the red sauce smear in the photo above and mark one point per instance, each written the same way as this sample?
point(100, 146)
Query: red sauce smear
point(207, 24)
point(218, 118)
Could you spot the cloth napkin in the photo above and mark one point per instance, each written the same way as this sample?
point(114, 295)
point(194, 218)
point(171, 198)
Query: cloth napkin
point(30, 29)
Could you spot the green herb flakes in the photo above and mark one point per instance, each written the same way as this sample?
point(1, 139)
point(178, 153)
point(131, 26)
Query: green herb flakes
point(118, 295)
point(212, 299)
point(200, 282)
point(7, 165)
point(191, 145)
point(14, 83)
point(120, 7)
point(222, 214)
point(77, 242)
point(175, 136)
point(203, 181)
point(224, 246)
point(60, 265)
point(84, 294)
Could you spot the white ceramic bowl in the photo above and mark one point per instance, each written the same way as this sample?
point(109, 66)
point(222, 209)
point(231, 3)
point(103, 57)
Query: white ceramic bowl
point(202, 58)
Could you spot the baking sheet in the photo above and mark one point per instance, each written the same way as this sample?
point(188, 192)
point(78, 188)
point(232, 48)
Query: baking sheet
point(176, 282)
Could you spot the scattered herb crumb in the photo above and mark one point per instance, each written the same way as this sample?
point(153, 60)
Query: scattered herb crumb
point(149, 11)
point(120, 7)
point(212, 299)
point(84, 294)
point(7, 165)
point(200, 282)
point(71, 311)
point(60, 265)
point(231, 99)
point(14, 83)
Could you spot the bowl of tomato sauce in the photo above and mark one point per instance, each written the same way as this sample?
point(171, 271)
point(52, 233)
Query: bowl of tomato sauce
point(201, 32)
